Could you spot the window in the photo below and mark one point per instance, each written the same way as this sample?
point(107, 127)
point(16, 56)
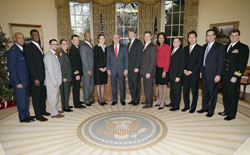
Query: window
point(174, 16)
point(126, 17)
point(80, 18)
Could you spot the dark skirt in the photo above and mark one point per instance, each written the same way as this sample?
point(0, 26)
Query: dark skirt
point(100, 77)
point(158, 79)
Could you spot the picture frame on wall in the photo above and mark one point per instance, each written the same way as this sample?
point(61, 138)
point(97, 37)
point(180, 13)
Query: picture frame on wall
point(223, 30)
point(25, 30)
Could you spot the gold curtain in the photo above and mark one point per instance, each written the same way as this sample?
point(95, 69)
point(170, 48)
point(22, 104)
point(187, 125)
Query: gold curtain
point(63, 20)
point(147, 14)
point(108, 18)
point(110, 2)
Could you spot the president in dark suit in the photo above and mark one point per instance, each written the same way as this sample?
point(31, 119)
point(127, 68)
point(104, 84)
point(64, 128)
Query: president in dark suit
point(135, 48)
point(34, 55)
point(148, 69)
point(117, 68)
point(236, 58)
point(19, 77)
point(193, 54)
point(76, 68)
point(176, 68)
point(211, 70)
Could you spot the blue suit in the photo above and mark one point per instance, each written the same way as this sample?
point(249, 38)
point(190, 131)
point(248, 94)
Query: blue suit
point(117, 67)
point(19, 74)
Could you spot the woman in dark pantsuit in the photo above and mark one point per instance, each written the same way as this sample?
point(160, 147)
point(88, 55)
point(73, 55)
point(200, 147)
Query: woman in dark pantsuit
point(100, 70)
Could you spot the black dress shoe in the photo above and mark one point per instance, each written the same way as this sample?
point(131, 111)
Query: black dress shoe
point(26, 120)
point(91, 102)
point(209, 114)
point(202, 111)
point(169, 105)
point(46, 113)
point(81, 102)
point(30, 118)
point(222, 113)
point(123, 103)
point(105, 103)
point(113, 103)
point(143, 102)
point(88, 104)
point(70, 106)
point(81, 107)
point(160, 108)
point(101, 103)
point(228, 118)
point(174, 109)
point(41, 119)
point(156, 105)
point(131, 102)
point(185, 109)
point(33, 117)
point(192, 111)
point(147, 106)
point(135, 103)
point(68, 110)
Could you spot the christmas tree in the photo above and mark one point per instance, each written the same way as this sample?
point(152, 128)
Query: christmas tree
point(6, 92)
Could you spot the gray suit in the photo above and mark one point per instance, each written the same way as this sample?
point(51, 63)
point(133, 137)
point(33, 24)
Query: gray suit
point(52, 74)
point(117, 67)
point(87, 57)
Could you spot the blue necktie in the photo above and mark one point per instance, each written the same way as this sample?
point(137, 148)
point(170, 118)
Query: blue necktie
point(206, 53)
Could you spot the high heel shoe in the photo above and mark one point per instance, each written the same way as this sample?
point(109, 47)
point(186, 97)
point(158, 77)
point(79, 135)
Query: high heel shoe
point(160, 108)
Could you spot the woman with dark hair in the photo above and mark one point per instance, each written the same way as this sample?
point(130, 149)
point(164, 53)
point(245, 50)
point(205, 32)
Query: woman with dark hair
point(162, 67)
point(100, 70)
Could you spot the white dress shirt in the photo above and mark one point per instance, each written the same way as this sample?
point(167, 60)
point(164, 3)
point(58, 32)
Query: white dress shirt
point(232, 44)
point(38, 46)
point(88, 43)
point(21, 48)
point(146, 45)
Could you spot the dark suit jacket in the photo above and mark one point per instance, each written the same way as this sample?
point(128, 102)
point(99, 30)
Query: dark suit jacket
point(214, 60)
point(193, 60)
point(100, 57)
point(177, 64)
point(17, 67)
point(148, 61)
point(75, 60)
point(134, 55)
point(35, 62)
point(65, 65)
point(117, 66)
point(235, 61)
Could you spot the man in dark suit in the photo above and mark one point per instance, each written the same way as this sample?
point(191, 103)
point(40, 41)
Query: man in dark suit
point(148, 69)
point(87, 57)
point(117, 67)
point(34, 55)
point(177, 63)
point(193, 54)
point(19, 77)
point(76, 67)
point(135, 48)
point(236, 58)
point(211, 71)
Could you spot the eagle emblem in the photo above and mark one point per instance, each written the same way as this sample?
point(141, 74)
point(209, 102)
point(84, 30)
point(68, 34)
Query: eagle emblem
point(121, 127)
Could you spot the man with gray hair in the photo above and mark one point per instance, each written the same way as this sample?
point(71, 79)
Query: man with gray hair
point(117, 67)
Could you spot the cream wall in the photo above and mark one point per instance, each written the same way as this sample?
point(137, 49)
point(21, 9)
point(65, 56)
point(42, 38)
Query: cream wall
point(219, 11)
point(38, 12)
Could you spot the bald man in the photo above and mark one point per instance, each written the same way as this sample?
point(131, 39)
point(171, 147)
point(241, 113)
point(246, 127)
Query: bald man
point(117, 67)
point(87, 57)
point(19, 77)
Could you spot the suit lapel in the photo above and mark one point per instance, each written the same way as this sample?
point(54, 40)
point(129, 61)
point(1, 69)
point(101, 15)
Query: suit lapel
point(211, 49)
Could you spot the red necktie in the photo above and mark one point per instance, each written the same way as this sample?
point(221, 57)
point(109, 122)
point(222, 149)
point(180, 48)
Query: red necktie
point(116, 51)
